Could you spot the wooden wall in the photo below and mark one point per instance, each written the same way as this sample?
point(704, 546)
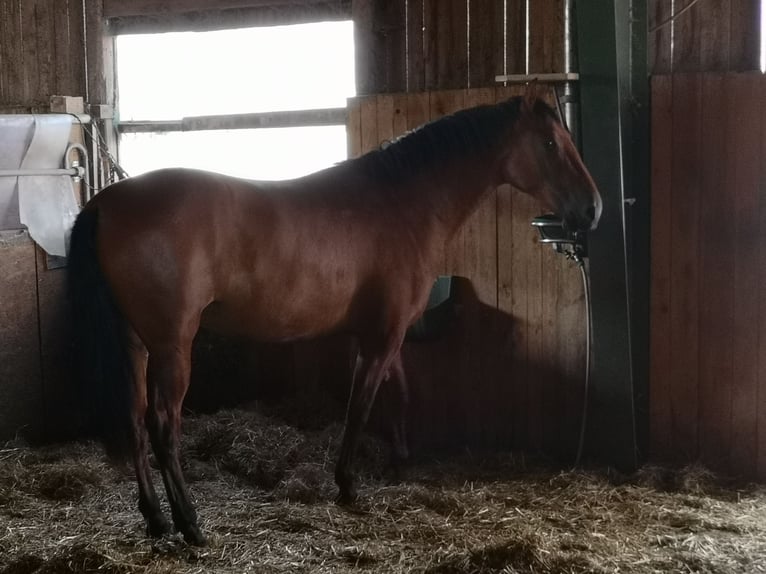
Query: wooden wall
point(712, 35)
point(510, 373)
point(41, 53)
point(707, 380)
point(708, 312)
point(419, 45)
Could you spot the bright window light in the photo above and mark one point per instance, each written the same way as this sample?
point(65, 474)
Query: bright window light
point(281, 153)
point(280, 68)
point(763, 35)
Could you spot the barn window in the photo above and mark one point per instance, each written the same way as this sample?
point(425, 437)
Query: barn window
point(763, 35)
point(263, 103)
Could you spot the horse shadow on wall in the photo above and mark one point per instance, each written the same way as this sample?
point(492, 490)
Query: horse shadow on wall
point(489, 382)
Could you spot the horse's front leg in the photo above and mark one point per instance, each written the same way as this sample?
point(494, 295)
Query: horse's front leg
point(168, 380)
point(397, 378)
point(373, 365)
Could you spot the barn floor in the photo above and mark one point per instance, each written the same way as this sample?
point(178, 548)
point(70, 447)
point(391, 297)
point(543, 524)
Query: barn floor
point(264, 491)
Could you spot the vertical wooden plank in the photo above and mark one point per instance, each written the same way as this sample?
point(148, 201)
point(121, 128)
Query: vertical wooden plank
point(418, 110)
point(714, 22)
point(525, 209)
point(686, 39)
point(65, 54)
point(380, 40)
point(660, 35)
point(55, 365)
point(5, 23)
point(546, 36)
point(77, 48)
point(354, 127)
point(536, 58)
point(399, 123)
point(684, 272)
point(498, 38)
point(45, 50)
point(548, 376)
point(485, 56)
point(510, 341)
point(385, 112)
point(21, 401)
point(661, 444)
point(369, 123)
point(717, 211)
point(446, 44)
point(511, 336)
point(29, 63)
point(393, 28)
point(481, 242)
point(366, 48)
point(100, 47)
point(745, 35)
point(761, 404)
point(744, 160)
point(516, 48)
point(416, 71)
point(480, 266)
point(455, 365)
point(425, 363)
point(517, 251)
point(444, 103)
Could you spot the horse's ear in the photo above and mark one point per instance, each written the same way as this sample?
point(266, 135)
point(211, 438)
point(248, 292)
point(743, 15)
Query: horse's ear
point(531, 93)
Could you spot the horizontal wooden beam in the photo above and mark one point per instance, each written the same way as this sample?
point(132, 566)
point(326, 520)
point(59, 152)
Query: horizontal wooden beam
point(122, 8)
point(287, 119)
point(270, 14)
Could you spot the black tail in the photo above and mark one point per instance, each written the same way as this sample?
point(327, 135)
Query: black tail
point(102, 359)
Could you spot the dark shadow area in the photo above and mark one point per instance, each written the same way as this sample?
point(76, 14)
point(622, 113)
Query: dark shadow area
point(476, 385)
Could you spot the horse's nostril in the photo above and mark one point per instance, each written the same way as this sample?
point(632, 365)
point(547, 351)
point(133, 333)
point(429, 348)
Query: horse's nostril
point(591, 212)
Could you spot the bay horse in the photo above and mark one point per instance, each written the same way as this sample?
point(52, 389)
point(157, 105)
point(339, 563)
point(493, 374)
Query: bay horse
point(354, 248)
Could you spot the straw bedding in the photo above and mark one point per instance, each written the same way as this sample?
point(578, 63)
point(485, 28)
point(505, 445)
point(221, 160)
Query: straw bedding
point(264, 491)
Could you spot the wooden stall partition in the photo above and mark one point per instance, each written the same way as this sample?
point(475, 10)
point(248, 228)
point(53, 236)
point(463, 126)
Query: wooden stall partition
point(509, 373)
point(41, 53)
point(711, 35)
point(36, 387)
point(438, 45)
point(708, 243)
point(21, 392)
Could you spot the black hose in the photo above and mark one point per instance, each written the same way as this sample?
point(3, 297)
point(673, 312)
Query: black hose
point(588, 328)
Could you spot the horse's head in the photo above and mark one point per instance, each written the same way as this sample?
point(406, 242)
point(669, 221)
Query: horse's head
point(543, 161)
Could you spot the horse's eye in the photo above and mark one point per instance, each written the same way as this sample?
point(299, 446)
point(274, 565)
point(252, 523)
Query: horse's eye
point(550, 145)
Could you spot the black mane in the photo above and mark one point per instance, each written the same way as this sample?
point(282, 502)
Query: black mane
point(467, 132)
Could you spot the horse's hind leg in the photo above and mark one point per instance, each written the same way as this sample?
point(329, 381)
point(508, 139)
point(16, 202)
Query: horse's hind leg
point(148, 503)
point(168, 380)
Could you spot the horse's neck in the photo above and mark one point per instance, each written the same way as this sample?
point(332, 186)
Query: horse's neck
point(453, 193)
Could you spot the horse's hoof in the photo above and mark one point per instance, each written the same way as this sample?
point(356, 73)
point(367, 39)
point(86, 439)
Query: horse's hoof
point(159, 527)
point(346, 497)
point(397, 469)
point(194, 537)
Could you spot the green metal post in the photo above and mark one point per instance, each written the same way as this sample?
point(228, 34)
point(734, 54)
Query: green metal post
point(612, 76)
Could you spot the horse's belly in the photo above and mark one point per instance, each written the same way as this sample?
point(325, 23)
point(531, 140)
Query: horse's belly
point(270, 319)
